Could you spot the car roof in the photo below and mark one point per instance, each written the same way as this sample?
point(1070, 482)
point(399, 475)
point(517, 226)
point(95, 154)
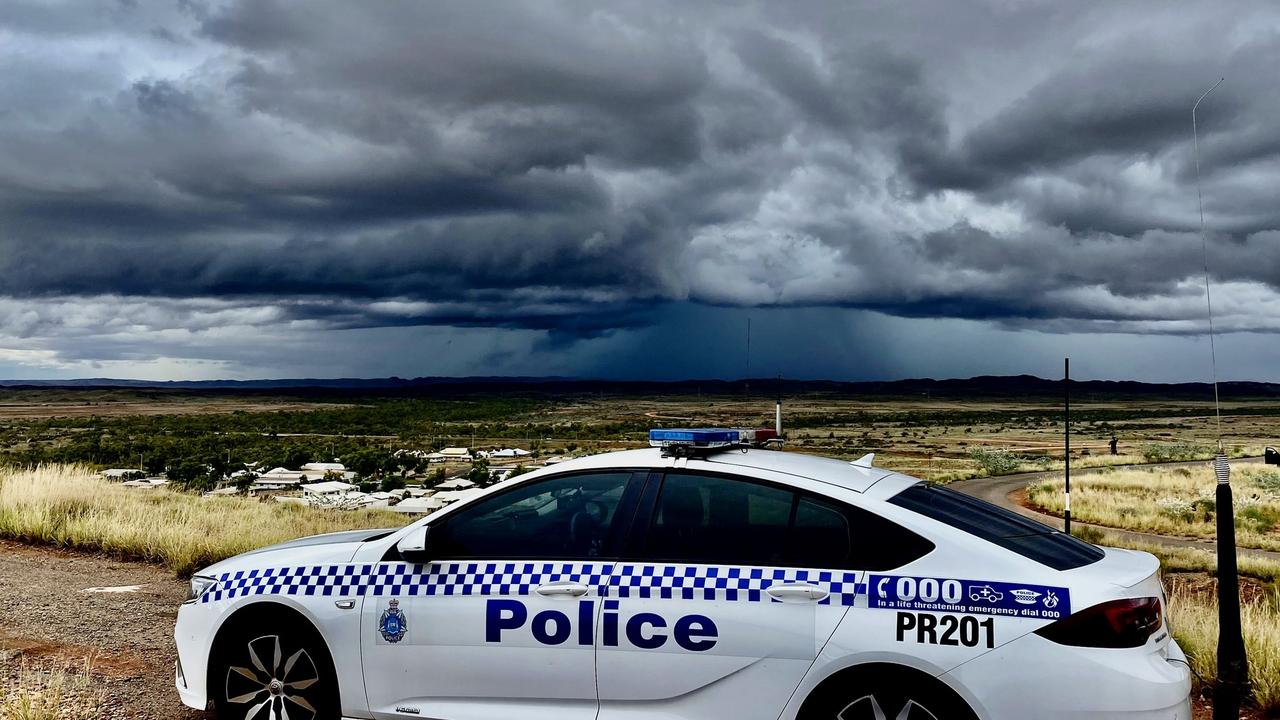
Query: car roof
point(828, 470)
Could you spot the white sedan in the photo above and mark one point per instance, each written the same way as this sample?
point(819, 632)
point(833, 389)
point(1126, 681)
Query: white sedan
point(730, 584)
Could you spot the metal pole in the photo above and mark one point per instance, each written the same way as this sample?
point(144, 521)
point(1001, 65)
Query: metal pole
point(1233, 662)
point(1066, 384)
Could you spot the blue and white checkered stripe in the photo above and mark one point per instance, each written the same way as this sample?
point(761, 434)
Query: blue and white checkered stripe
point(631, 580)
point(328, 580)
point(732, 584)
point(402, 579)
point(511, 578)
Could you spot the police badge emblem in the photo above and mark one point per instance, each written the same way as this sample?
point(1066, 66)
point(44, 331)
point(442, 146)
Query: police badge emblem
point(392, 624)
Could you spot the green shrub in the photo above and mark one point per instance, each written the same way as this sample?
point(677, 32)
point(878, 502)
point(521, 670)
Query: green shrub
point(994, 461)
point(1269, 481)
point(1175, 452)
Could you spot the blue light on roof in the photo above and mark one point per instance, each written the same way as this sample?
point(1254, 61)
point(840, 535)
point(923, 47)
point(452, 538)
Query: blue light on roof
point(695, 437)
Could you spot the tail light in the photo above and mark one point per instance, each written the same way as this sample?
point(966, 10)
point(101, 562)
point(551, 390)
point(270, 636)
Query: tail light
point(1115, 624)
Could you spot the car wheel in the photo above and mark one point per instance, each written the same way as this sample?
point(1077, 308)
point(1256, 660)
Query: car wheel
point(280, 676)
point(886, 696)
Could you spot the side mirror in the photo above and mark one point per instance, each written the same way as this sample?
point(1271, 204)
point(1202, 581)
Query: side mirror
point(413, 547)
point(1272, 456)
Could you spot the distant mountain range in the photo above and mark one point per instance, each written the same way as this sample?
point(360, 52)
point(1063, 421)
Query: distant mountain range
point(984, 386)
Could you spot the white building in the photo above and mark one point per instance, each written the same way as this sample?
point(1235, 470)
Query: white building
point(120, 473)
point(418, 505)
point(450, 454)
point(278, 479)
point(328, 487)
point(453, 496)
point(223, 491)
point(455, 484)
point(146, 483)
point(504, 453)
point(323, 468)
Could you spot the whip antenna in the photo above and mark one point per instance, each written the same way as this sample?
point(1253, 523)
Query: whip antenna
point(1233, 660)
point(1204, 251)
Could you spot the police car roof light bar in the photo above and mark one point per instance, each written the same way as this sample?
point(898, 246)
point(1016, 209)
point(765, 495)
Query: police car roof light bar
point(687, 442)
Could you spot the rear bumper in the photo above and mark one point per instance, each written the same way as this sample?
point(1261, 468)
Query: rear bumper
point(1033, 677)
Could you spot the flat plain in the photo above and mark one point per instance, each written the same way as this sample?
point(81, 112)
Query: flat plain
point(68, 432)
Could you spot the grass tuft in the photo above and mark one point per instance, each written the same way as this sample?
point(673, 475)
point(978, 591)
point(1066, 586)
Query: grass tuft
point(1194, 620)
point(69, 506)
point(50, 695)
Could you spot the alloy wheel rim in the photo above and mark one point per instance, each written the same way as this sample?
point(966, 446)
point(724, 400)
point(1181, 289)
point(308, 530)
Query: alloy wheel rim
point(870, 707)
point(271, 686)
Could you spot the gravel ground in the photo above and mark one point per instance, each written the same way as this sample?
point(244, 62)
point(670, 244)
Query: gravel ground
point(47, 619)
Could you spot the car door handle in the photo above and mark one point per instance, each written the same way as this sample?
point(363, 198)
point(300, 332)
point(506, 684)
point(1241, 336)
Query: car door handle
point(571, 589)
point(797, 592)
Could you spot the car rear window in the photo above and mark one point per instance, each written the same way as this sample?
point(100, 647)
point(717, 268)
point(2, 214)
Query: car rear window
point(1007, 529)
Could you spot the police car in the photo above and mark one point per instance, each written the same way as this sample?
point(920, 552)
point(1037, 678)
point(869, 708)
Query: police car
point(703, 578)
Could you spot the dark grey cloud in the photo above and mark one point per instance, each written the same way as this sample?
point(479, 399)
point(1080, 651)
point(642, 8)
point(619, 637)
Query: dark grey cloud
point(577, 169)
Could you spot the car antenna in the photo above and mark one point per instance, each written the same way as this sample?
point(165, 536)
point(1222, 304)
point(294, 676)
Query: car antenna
point(1204, 253)
point(1233, 663)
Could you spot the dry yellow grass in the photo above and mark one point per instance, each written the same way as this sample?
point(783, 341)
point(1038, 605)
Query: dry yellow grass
point(1194, 620)
point(71, 507)
point(1183, 559)
point(1172, 502)
point(1194, 617)
point(31, 694)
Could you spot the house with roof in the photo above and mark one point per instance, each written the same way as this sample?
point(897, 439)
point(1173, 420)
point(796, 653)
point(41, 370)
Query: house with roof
point(505, 453)
point(327, 487)
point(418, 505)
point(450, 454)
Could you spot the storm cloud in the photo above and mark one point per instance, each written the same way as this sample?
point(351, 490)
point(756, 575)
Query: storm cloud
point(260, 171)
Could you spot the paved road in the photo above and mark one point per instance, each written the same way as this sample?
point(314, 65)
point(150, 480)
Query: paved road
point(998, 489)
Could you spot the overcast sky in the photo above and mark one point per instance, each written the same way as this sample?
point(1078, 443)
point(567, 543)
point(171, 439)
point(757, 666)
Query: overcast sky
point(194, 189)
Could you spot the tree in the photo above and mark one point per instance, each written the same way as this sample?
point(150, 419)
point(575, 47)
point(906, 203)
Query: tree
point(296, 457)
point(189, 475)
point(410, 463)
point(392, 482)
point(369, 463)
point(479, 473)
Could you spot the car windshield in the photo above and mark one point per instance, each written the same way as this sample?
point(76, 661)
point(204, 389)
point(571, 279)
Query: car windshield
point(1007, 529)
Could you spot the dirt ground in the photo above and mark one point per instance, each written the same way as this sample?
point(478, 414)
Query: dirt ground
point(48, 619)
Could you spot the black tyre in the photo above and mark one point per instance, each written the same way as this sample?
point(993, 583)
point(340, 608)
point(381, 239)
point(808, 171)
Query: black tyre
point(277, 674)
point(885, 694)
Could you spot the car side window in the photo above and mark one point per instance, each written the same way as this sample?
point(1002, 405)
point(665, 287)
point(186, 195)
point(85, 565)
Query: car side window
point(707, 519)
point(821, 535)
point(719, 520)
point(565, 517)
point(835, 535)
